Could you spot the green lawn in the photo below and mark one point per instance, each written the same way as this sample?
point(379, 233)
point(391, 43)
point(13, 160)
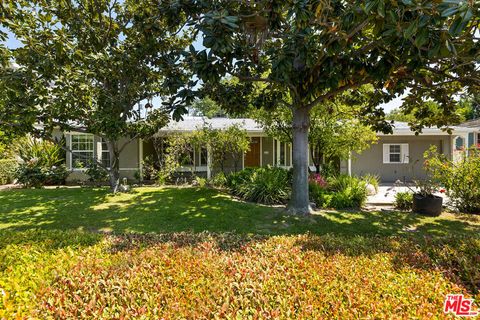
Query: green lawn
point(162, 210)
point(197, 253)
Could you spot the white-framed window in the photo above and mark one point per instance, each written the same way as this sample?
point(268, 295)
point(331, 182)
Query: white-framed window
point(280, 150)
point(395, 153)
point(82, 147)
point(478, 139)
point(105, 155)
point(459, 143)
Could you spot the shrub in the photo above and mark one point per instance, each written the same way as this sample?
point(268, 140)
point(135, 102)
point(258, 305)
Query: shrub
point(339, 192)
point(46, 153)
point(403, 200)
point(372, 179)
point(150, 169)
point(234, 181)
point(42, 163)
point(7, 170)
point(320, 195)
point(267, 185)
point(461, 179)
point(201, 182)
point(329, 169)
point(33, 174)
point(96, 173)
point(317, 179)
point(350, 192)
point(219, 180)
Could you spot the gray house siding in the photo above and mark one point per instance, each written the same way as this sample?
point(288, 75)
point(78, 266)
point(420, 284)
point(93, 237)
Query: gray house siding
point(267, 151)
point(129, 159)
point(371, 160)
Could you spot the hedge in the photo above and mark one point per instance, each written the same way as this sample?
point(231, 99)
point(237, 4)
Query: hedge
point(7, 170)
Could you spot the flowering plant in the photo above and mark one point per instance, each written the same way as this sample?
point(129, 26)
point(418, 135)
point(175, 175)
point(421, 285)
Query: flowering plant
point(317, 179)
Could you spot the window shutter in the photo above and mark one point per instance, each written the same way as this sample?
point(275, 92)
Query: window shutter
point(405, 153)
point(471, 138)
point(386, 152)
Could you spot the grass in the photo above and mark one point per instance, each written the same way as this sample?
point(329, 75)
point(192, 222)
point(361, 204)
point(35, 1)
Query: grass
point(163, 210)
point(197, 253)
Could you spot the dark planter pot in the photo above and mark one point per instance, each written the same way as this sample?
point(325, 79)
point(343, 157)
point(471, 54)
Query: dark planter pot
point(429, 206)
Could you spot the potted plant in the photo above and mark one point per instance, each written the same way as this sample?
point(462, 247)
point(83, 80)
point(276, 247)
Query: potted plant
point(425, 201)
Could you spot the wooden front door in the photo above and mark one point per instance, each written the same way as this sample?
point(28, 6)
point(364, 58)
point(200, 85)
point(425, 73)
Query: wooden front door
point(252, 157)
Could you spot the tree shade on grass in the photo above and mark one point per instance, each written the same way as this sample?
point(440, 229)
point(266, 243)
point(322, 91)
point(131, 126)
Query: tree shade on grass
point(173, 209)
point(198, 253)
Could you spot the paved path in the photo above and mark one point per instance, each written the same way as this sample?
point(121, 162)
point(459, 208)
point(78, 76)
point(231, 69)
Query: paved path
point(386, 195)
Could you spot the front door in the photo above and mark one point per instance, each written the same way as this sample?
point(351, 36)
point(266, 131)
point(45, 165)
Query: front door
point(252, 157)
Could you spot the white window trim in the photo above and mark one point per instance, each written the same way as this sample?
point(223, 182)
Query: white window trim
point(72, 150)
point(404, 153)
point(202, 167)
point(100, 151)
point(276, 148)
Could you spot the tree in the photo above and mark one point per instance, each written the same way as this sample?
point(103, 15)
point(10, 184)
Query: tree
point(397, 115)
point(229, 142)
point(335, 129)
point(85, 65)
point(470, 106)
point(206, 107)
point(221, 144)
point(308, 52)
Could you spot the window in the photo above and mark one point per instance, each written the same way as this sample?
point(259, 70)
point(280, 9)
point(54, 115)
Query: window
point(478, 140)
point(280, 150)
point(395, 153)
point(203, 157)
point(459, 143)
point(105, 156)
point(82, 147)
point(187, 158)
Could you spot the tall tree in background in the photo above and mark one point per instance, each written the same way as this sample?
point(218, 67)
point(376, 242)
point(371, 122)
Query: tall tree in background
point(84, 66)
point(309, 52)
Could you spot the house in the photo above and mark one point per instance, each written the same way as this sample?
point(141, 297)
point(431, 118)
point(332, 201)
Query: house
point(398, 156)
point(474, 136)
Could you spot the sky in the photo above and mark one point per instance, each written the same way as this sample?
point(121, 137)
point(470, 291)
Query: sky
point(395, 103)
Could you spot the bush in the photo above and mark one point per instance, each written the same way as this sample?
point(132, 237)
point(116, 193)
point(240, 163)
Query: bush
point(339, 192)
point(201, 182)
point(351, 192)
point(403, 200)
point(42, 163)
point(7, 170)
point(219, 180)
point(461, 179)
point(33, 174)
point(96, 173)
point(234, 181)
point(372, 179)
point(267, 185)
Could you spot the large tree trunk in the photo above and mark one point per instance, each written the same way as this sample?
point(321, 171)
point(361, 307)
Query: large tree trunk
point(114, 166)
point(300, 202)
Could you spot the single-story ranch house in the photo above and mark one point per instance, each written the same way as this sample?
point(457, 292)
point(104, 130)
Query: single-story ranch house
point(397, 156)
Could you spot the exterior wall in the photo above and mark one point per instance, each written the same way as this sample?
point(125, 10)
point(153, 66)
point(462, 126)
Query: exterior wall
point(129, 157)
point(129, 160)
point(267, 151)
point(371, 160)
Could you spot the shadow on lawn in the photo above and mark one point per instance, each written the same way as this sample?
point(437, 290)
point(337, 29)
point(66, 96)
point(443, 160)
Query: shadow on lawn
point(195, 210)
point(181, 217)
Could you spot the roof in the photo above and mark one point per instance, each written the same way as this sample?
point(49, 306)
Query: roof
point(195, 123)
point(475, 123)
point(402, 128)
point(251, 126)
